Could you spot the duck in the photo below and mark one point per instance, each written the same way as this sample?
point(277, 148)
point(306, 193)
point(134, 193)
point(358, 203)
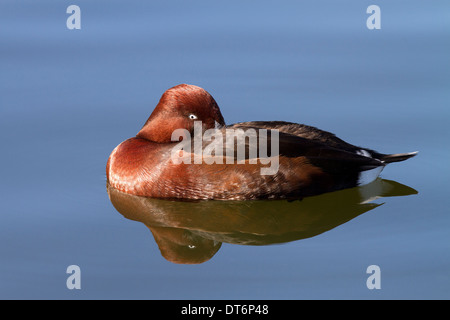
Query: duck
point(165, 160)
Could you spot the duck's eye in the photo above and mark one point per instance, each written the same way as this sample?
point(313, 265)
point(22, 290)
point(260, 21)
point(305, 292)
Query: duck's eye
point(192, 116)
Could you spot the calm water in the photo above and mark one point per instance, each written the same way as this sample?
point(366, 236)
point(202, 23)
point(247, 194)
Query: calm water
point(68, 97)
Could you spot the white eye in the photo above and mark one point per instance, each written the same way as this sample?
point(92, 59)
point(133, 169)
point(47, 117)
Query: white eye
point(192, 116)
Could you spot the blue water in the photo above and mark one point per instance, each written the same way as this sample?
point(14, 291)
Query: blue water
point(68, 97)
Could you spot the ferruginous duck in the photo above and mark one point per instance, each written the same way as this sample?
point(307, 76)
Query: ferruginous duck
point(185, 151)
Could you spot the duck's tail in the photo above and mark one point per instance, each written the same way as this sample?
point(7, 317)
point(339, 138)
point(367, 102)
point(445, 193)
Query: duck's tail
point(388, 158)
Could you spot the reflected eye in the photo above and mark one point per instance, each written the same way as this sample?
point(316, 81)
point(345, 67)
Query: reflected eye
point(192, 116)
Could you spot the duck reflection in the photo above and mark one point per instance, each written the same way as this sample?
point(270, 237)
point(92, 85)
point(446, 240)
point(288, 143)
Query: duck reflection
point(192, 232)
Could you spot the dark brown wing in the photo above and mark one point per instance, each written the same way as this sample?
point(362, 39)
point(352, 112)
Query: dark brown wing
point(292, 143)
point(303, 131)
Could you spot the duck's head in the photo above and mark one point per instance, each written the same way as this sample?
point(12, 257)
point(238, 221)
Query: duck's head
point(178, 108)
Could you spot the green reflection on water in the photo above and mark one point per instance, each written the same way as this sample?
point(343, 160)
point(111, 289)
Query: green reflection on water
point(192, 232)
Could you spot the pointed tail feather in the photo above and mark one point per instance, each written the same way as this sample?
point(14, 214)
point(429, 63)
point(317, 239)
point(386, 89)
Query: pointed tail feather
point(388, 158)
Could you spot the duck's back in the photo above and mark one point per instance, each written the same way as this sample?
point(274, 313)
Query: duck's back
point(303, 131)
